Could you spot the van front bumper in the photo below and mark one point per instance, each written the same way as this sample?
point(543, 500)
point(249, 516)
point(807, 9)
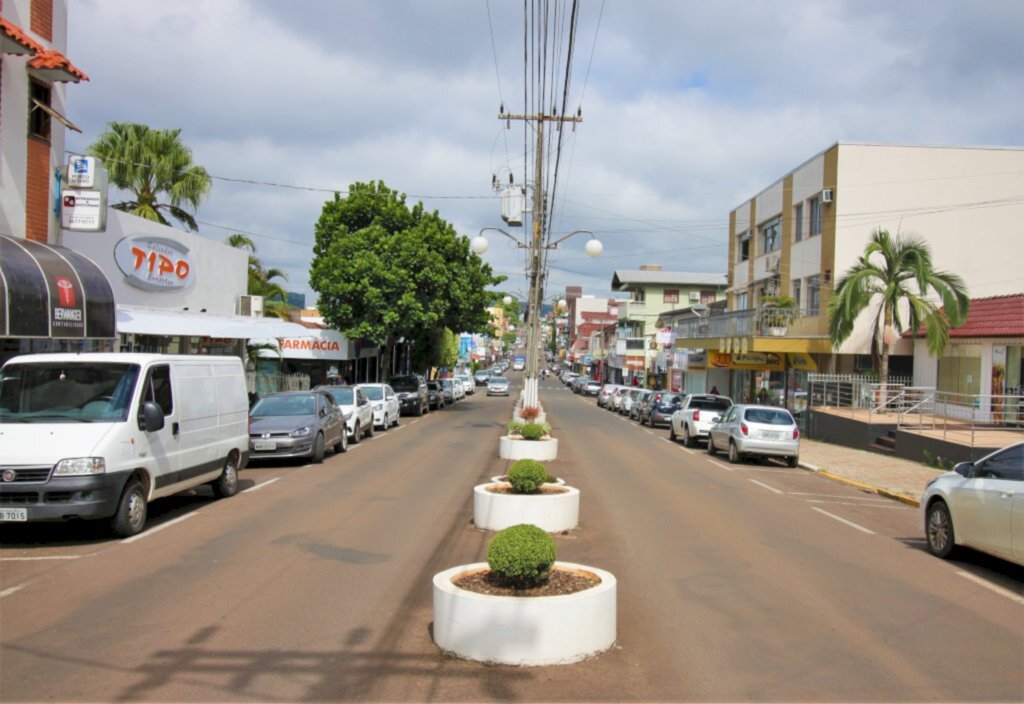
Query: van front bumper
point(60, 498)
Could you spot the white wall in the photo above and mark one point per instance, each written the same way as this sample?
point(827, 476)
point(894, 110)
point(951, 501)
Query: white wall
point(221, 271)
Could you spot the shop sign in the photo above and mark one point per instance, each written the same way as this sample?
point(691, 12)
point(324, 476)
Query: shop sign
point(83, 211)
point(802, 362)
point(67, 317)
point(633, 362)
point(665, 337)
point(155, 263)
point(676, 380)
point(696, 360)
point(753, 361)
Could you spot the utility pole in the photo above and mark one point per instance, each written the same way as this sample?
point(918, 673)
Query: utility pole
point(536, 256)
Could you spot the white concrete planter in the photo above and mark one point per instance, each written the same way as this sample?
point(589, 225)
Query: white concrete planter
point(509, 630)
point(510, 448)
point(553, 513)
point(502, 479)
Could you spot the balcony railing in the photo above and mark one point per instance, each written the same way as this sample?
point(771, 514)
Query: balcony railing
point(739, 323)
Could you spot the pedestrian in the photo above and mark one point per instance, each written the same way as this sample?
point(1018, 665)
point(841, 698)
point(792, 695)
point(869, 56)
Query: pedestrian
point(714, 390)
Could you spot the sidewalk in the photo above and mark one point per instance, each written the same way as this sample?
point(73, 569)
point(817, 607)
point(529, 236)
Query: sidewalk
point(890, 476)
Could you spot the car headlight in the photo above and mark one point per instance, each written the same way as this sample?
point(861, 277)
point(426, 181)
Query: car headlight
point(80, 466)
point(299, 432)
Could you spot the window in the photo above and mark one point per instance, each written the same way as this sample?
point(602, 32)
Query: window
point(708, 296)
point(813, 294)
point(38, 119)
point(796, 291)
point(798, 222)
point(815, 224)
point(742, 301)
point(960, 371)
point(671, 295)
point(770, 236)
point(158, 388)
point(1006, 465)
point(744, 246)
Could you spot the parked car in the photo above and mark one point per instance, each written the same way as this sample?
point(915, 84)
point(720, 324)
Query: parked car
point(412, 393)
point(591, 388)
point(468, 385)
point(659, 408)
point(497, 386)
point(435, 395)
point(756, 431)
point(628, 399)
point(296, 424)
point(615, 400)
point(979, 505)
point(458, 388)
point(448, 390)
point(386, 410)
point(579, 383)
point(481, 377)
point(109, 432)
point(696, 414)
point(356, 408)
point(605, 394)
point(638, 403)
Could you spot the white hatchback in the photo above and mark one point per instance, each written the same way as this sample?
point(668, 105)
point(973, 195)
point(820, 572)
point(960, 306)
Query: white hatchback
point(386, 409)
point(980, 505)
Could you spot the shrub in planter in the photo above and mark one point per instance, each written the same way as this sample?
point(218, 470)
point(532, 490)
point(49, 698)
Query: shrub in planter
point(515, 427)
point(521, 557)
point(526, 476)
point(529, 413)
point(534, 431)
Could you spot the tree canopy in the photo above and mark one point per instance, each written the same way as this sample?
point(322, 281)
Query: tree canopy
point(385, 270)
point(156, 167)
point(262, 281)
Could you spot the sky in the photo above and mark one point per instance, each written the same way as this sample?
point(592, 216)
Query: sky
point(689, 108)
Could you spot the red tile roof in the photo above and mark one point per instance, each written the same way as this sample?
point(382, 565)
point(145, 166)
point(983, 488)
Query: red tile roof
point(14, 32)
point(53, 60)
point(598, 316)
point(997, 316)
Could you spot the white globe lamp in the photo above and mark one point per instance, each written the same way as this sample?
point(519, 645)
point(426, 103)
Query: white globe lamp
point(594, 247)
point(479, 244)
point(507, 300)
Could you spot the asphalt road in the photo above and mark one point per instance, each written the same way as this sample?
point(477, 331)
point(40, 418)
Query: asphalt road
point(752, 582)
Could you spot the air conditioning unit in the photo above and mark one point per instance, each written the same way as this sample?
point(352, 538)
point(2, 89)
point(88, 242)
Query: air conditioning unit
point(694, 296)
point(251, 306)
point(826, 195)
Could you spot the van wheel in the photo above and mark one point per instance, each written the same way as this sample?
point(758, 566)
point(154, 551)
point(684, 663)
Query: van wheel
point(370, 430)
point(131, 511)
point(318, 449)
point(227, 484)
point(357, 435)
point(342, 445)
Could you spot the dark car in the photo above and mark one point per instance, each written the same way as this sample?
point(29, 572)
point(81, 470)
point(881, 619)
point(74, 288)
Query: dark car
point(659, 407)
point(413, 396)
point(435, 394)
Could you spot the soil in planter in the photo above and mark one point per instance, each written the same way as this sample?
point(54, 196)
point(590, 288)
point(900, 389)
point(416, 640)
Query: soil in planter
point(560, 583)
point(504, 478)
point(545, 489)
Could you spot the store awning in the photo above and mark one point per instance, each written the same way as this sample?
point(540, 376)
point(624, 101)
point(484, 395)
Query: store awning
point(52, 292)
point(154, 321)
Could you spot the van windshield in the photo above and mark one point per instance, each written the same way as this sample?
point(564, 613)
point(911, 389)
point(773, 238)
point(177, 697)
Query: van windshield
point(44, 392)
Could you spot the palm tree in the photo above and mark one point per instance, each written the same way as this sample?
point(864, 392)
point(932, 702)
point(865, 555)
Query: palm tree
point(156, 168)
point(899, 279)
point(262, 281)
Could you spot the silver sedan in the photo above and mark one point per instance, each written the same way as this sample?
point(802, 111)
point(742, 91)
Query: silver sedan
point(756, 431)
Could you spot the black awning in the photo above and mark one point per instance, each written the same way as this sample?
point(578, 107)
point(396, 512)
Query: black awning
point(52, 292)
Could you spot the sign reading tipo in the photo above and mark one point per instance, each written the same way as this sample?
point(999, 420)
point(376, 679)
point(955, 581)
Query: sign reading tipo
point(155, 263)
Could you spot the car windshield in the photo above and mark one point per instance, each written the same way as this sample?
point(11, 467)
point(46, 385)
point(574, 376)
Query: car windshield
point(768, 416)
point(498, 380)
point(447, 383)
point(405, 383)
point(341, 395)
point(433, 385)
point(289, 405)
point(374, 393)
point(73, 392)
point(710, 403)
point(668, 399)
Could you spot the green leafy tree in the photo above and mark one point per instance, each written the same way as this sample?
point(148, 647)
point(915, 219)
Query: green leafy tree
point(156, 168)
point(896, 274)
point(384, 270)
point(262, 281)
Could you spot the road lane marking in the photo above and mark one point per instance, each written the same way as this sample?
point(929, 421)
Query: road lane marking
point(650, 432)
point(11, 590)
point(851, 503)
point(838, 496)
point(398, 427)
point(993, 587)
point(41, 557)
point(723, 466)
point(843, 520)
point(769, 488)
point(684, 448)
point(260, 486)
point(159, 528)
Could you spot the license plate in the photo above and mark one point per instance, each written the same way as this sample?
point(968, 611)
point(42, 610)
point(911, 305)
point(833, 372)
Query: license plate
point(264, 446)
point(770, 436)
point(13, 514)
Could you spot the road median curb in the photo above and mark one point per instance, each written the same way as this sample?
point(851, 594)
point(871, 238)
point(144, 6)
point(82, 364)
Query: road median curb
point(895, 495)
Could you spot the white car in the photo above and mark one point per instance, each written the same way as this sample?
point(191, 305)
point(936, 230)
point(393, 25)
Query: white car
point(497, 386)
point(468, 385)
point(696, 414)
point(357, 409)
point(386, 409)
point(458, 389)
point(756, 431)
point(980, 505)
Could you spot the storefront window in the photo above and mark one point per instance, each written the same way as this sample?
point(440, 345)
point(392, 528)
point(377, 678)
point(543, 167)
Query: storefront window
point(960, 370)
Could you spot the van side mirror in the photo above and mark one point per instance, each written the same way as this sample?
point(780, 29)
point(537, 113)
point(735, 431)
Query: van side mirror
point(151, 417)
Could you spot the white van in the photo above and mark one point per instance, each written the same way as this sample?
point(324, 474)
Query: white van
point(100, 435)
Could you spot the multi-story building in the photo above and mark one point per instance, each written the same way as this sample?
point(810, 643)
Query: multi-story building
point(805, 230)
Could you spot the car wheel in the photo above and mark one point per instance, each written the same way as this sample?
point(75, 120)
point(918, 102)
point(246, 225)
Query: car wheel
point(939, 530)
point(370, 428)
point(672, 431)
point(419, 410)
point(711, 446)
point(318, 449)
point(398, 419)
point(734, 453)
point(357, 436)
point(227, 484)
point(342, 445)
point(687, 440)
point(131, 510)
point(792, 462)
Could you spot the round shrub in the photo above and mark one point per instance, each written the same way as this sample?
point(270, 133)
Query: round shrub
point(526, 476)
point(521, 557)
point(532, 431)
point(529, 413)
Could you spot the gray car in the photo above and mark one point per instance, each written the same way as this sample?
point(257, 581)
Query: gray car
point(756, 431)
point(296, 424)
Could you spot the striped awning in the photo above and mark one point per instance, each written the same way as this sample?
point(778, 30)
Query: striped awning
point(52, 292)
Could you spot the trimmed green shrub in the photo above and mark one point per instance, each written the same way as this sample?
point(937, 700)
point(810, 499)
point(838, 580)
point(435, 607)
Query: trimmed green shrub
point(526, 476)
point(521, 556)
point(534, 431)
point(515, 427)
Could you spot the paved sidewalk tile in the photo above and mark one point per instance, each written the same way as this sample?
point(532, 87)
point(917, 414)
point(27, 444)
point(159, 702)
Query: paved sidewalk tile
point(890, 474)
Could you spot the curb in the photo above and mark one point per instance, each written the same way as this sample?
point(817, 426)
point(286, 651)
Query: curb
point(902, 498)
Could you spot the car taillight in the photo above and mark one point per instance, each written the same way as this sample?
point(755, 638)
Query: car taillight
point(796, 433)
point(696, 416)
point(744, 429)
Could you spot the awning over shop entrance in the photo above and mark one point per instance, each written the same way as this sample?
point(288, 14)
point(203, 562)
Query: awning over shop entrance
point(150, 321)
point(52, 292)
